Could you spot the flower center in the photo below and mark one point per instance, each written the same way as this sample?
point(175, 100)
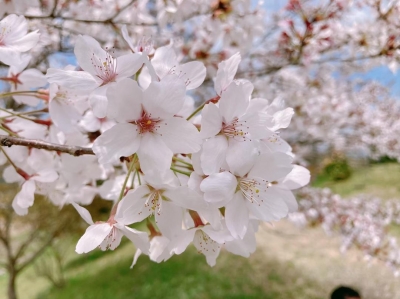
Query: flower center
point(106, 69)
point(154, 202)
point(147, 124)
point(252, 188)
point(235, 129)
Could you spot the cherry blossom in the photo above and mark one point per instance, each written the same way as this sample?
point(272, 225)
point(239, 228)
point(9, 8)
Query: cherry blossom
point(147, 125)
point(100, 70)
point(15, 39)
point(108, 235)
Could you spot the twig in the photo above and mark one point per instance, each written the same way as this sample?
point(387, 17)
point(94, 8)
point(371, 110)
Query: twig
point(68, 149)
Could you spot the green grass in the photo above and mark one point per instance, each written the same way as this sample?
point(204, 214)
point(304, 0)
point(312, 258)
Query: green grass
point(182, 277)
point(381, 180)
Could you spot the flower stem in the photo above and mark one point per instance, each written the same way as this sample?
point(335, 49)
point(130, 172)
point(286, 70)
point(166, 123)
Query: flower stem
point(22, 113)
point(8, 131)
point(182, 161)
point(180, 171)
point(127, 177)
point(27, 93)
point(196, 111)
point(14, 114)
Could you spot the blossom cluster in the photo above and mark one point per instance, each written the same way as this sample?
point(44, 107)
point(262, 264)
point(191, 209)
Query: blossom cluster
point(202, 173)
point(362, 221)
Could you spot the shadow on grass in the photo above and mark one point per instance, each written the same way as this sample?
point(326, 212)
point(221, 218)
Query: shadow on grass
point(84, 259)
point(185, 277)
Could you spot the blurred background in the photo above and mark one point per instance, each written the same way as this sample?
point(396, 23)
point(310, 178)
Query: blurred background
point(335, 62)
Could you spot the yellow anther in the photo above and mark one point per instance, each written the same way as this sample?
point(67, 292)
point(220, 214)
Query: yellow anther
point(148, 122)
point(257, 191)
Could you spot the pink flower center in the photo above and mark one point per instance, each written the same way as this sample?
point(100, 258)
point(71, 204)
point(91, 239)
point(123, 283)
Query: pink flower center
point(147, 124)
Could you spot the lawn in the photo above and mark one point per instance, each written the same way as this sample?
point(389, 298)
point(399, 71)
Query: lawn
point(289, 263)
point(381, 180)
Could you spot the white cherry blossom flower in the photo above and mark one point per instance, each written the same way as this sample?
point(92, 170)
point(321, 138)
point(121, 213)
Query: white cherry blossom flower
point(260, 192)
point(146, 125)
point(166, 62)
point(232, 129)
point(15, 39)
point(163, 198)
point(108, 235)
point(24, 80)
point(100, 70)
point(205, 238)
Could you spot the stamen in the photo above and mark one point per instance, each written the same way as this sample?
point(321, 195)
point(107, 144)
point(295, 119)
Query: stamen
point(106, 70)
point(251, 189)
point(147, 124)
point(235, 129)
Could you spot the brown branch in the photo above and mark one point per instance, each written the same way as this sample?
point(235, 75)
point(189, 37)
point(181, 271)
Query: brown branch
point(68, 149)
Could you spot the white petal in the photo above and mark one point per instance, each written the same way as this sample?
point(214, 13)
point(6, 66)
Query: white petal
point(93, 237)
point(213, 154)
point(158, 249)
point(72, 79)
point(98, 101)
point(124, 101)
point(32, 78)
point(207, 246)
point(45, 176)
point(126, 37)
point(120, 141)
point(63, 115)
point(164, 99)
point(137, 253)
point(241, 155)
point(169, 219)
point(226, 72)
point(86, 49)
point(25, 198)
point(243, 247)
point(233, 102)
point(193, 74)
point(131, 208)
point(237, 216)
point(287, 196)
point(211, 121)
point(9, 56)
point(180, 136)
point(112, 240)
point(154, 154)
point(138, 238)
point(271, 167)
point(269, 206)
point(297, 178)
point(128, 65)
point(282, 118)
point(185, 198)
point(181, 242)
point(83, 213)
point(164, 60)
point(219, 187)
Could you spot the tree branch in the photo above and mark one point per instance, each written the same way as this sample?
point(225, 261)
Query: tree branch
point(68, 149)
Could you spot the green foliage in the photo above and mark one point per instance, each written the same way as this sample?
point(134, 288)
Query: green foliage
point(338, 169)
point(384, 159)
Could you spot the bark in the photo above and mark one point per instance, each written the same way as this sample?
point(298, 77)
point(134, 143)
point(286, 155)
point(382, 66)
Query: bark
point(72, 150)
point(12, 276)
